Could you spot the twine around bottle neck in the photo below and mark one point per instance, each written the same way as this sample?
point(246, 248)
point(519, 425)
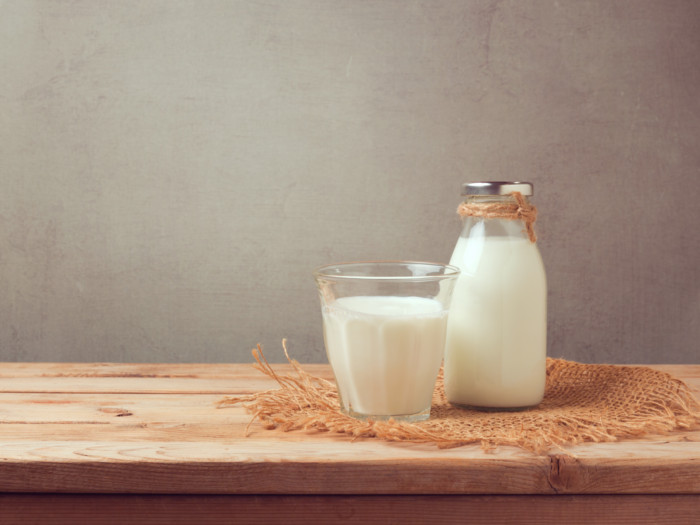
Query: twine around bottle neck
point(516, 209)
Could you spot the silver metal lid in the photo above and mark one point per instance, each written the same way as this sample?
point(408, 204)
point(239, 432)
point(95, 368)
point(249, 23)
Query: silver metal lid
point(497, 188)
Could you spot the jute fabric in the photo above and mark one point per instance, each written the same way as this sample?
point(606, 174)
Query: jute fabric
point(583, 403)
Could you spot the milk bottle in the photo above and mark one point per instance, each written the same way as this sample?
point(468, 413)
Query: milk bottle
point(497, 327)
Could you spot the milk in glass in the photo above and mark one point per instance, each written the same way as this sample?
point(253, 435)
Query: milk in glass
point(385, 352)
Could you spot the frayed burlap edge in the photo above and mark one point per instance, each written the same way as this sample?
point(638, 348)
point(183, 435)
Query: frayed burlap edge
point(305, 402)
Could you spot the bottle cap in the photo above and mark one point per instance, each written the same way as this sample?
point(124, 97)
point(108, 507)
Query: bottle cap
point(497, 188)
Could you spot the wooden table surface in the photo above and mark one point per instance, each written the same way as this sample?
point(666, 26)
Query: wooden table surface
point(145, 443)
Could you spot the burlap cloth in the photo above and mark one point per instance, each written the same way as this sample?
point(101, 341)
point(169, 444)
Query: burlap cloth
point(582, 403)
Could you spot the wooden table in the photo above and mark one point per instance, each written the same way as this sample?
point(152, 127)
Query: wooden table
point(144, 443)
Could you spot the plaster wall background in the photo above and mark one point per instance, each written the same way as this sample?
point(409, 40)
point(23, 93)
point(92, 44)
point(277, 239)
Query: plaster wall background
point(171, 172)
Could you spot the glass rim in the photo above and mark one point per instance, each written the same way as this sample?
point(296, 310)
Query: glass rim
point(324, 272)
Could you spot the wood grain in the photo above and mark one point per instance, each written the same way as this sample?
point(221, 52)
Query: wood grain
point(144, 429)
point(30, 509)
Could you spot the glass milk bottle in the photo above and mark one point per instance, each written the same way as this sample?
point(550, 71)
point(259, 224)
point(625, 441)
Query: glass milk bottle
point(497, 327)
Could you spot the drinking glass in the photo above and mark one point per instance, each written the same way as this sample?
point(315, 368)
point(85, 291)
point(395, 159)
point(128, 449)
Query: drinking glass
point(384, 325)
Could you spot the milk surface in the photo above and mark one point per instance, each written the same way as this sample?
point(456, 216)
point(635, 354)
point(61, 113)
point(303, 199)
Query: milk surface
point(385, 352)
point(496, 337)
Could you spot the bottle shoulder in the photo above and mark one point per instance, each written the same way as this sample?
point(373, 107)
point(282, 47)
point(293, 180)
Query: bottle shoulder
point(479, 227)
point(490, 257)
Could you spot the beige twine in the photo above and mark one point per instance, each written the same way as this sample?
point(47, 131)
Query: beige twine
point(582, 403)
point(520, 209)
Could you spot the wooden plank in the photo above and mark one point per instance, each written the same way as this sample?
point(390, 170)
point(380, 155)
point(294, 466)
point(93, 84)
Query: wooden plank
point(30, 509)
point(148, 370)
point(146, 379)
point(105, 369)
point(228, 379)
point(146, 385)
point(181, 417)
point(247, 466)
point(329, 466)
point(130, 417)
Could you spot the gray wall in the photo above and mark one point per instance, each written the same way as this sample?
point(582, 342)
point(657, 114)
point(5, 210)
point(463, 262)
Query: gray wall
point(172, 171)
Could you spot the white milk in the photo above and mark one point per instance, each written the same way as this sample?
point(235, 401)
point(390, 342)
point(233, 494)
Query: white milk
point(497, 331)
point(385, 352)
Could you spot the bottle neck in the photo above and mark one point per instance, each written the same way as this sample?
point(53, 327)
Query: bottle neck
point(487, 226)
point(491, 199)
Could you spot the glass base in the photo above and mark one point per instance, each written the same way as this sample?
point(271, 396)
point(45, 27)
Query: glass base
point(493, 409)
point(410, 418)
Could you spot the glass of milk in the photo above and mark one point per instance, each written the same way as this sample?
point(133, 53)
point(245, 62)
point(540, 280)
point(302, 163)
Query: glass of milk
point(384, 326)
